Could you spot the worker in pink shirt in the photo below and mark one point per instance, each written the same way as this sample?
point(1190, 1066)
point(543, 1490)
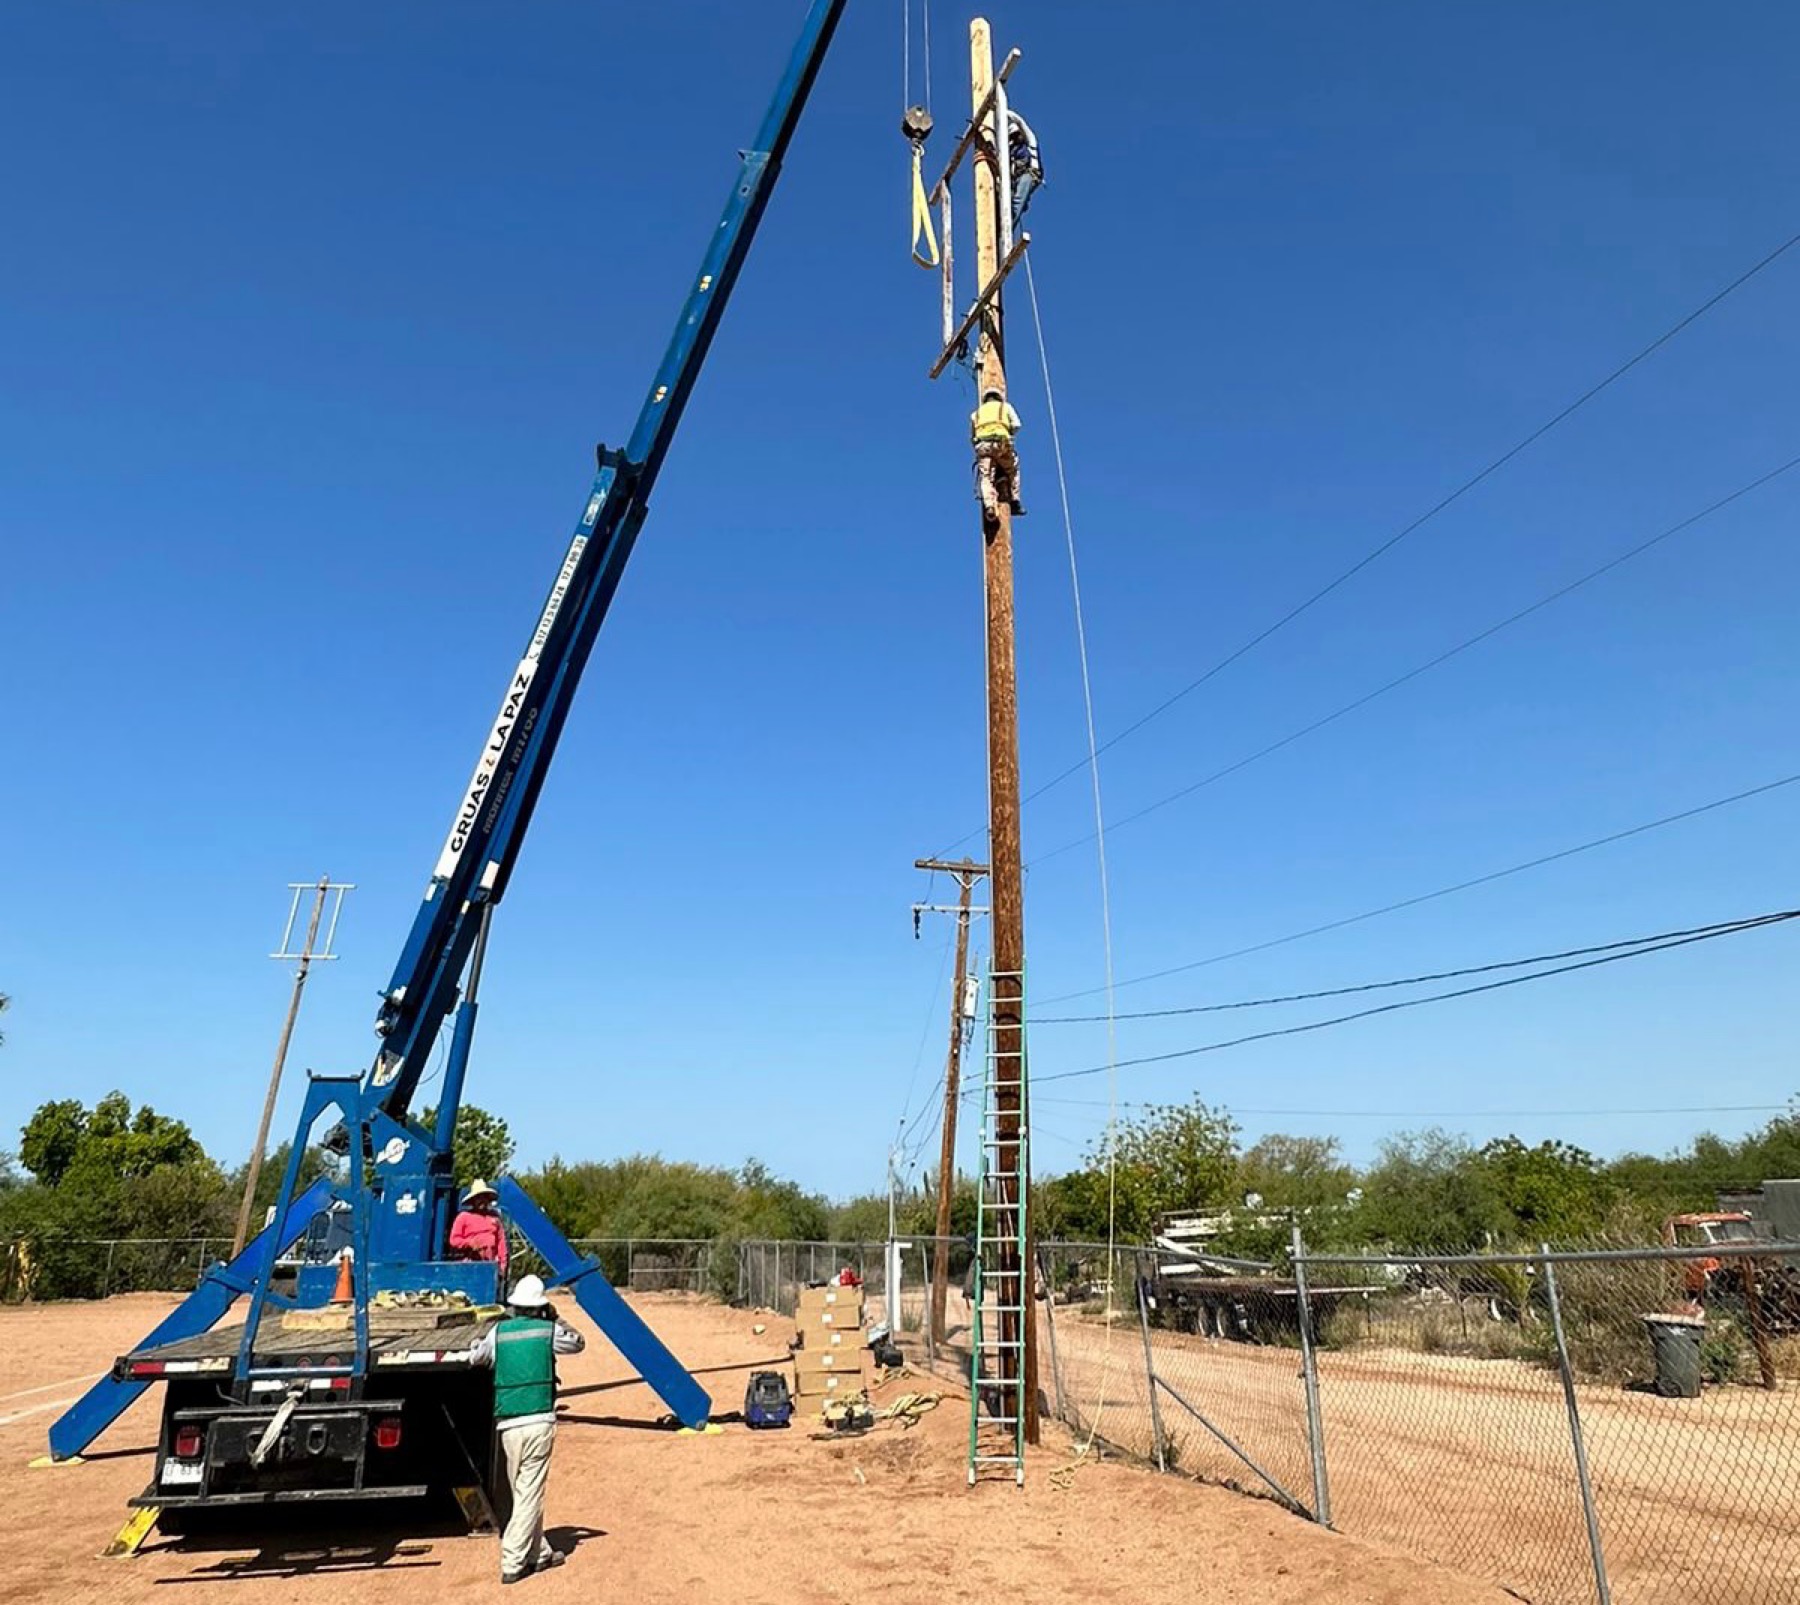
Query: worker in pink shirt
point(478, 1231)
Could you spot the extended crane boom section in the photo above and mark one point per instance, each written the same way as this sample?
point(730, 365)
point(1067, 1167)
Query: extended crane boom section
point(393, 1202)
point(495, 809)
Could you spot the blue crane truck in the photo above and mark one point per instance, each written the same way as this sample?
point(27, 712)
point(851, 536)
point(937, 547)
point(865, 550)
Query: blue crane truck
point(315, 1397)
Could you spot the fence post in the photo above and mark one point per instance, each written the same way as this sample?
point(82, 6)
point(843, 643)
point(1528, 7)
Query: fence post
point(200, 1264)
point(1602, 1589)
point(106, 1278)
point(1143, 1304)
point(1309, 1370)
point(1056, 1376)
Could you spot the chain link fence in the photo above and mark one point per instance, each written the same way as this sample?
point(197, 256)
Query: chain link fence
point(1562, 1424)
point(1556, 1423)
point(771, 1274)
point(99, 1267)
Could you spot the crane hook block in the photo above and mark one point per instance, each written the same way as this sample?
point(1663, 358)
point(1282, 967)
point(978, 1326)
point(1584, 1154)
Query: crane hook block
point(915, 123)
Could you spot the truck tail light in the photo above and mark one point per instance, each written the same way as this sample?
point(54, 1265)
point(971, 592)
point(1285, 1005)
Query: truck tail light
point(188, 1443)
point(387, 1433)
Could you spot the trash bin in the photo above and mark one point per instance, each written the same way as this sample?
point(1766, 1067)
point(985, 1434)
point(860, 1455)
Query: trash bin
point(1675, 1340)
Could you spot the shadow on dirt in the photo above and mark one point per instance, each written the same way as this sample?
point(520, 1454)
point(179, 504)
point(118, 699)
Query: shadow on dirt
point(244, 1545)
point(570, 1539)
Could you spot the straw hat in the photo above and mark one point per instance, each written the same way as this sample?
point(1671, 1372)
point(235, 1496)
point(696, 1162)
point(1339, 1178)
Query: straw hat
point(478, 1189)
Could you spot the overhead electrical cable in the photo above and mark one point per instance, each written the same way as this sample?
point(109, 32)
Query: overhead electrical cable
point(1442, 891)
point(1431, 512)
point(1098, 837)
point(1448, 1114)
point(1758, 923)
point(912, 1079)
point(1718, 927)
point(1432, 663)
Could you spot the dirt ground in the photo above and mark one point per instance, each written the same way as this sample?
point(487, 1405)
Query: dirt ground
point(652, 1516)
point(1469, 1462)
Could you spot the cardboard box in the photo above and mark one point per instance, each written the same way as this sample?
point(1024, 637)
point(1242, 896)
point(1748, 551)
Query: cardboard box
point(817, 1300)
point(844, 1359)
point(830, 1337)
point(839, 1318)
point(823, 1385)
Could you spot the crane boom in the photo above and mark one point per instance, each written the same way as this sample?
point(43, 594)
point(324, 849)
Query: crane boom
point(398, 1185)
point(495, 808)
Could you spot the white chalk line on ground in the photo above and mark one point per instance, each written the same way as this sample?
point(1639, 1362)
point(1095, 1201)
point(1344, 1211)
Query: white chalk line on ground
point(47, 1387)
point(36, 1409)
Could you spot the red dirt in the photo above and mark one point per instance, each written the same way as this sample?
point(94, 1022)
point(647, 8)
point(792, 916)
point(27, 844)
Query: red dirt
point(658, 1517)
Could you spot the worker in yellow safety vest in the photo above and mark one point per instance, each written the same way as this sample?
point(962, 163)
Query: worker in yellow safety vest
point(992, 426)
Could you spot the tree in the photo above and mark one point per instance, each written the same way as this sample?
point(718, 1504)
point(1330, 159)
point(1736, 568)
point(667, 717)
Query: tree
point(482, 1143)
point(771, 1207)
point(1174, 1157)
point(1426, 1191)
point(106, 1143)
point(1554, 1192)
point(317, 1161)
point(1296, 1173)
point(51, 1137)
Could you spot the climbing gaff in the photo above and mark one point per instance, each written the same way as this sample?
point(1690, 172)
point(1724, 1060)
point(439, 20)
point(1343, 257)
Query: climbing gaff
point(915, 124)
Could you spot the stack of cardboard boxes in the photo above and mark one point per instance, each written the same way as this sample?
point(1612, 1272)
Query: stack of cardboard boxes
point(829, 1362)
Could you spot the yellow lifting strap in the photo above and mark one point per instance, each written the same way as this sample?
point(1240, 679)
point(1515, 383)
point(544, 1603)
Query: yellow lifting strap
point(921, 212)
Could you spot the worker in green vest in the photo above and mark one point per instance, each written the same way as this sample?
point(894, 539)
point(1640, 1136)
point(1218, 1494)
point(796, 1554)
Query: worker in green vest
point(522, 1349)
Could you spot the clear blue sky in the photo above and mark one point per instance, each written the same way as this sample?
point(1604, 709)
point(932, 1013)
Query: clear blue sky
point(310, 318)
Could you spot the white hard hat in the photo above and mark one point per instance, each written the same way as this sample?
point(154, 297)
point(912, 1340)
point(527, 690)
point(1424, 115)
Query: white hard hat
point(528, 1294)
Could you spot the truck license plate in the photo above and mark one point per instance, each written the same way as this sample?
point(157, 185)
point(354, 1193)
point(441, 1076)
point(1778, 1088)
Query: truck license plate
point(181, 1471)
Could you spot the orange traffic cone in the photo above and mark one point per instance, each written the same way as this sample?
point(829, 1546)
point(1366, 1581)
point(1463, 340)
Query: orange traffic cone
point(345, 1291)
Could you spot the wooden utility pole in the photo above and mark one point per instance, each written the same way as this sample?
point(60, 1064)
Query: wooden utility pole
point(967, 872)
point(323, 889)
point(1006, 1001)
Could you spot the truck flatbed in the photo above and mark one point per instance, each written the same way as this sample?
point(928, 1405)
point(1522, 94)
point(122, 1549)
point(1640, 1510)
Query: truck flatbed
point(392, 1345)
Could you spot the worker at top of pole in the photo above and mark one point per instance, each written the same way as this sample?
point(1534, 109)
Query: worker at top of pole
point(522, 1350)
point(1026, 164)
point(478, 1232)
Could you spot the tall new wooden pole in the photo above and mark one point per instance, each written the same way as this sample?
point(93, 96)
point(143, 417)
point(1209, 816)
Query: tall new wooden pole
point(967, 872)
point(254, 1173)
point(1006, 1001)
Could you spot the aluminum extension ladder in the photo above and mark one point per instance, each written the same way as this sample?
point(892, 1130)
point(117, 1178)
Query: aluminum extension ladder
point(1002, 1302)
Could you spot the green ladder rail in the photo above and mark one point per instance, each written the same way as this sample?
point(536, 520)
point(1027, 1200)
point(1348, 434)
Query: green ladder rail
point(1001, 1290)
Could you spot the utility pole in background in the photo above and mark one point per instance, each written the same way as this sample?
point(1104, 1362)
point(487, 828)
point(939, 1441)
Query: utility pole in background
point(967, 872)
point(321, 889)
point(986, 141)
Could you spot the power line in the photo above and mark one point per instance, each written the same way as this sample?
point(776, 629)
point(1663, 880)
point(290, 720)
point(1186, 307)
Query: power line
point(1447, 1114)
point(1414, 1003)
point(1717, 928)
point(924, 1031)
point(1442, 891)
point(1428, 515)
point(1432, 663)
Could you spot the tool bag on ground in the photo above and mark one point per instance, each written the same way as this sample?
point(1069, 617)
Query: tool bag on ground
point(766, 1400)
